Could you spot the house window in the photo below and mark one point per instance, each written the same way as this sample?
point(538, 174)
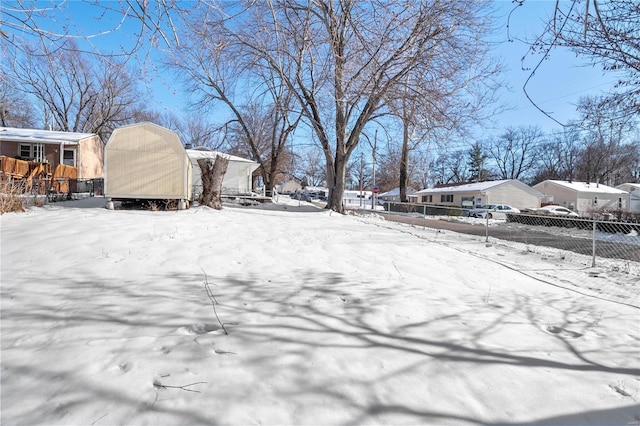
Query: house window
point(468, 201)
point(30, 151)
point(427, 198)
point(446, 198)
point(595, 201)
point(69, 157)
point(620, 203)
point(25, 151)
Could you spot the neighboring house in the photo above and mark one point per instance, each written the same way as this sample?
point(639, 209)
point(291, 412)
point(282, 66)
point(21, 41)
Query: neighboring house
point(317, 192)
point(634, 195)
point(145, 161)
point(290, 187)
point(83, 151)
point(238, 179)
point(583, 197)
point(356, 199)
point(476, 194)
point(394, 195)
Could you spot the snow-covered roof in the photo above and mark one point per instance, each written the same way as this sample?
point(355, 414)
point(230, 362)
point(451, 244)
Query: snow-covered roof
point(395, 192)
point(14, 134)
point(196, 154)
point(629, 187)
point(467, 187)
point(583, 187)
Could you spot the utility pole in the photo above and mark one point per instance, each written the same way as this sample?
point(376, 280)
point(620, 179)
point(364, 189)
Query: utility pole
point(374, 197)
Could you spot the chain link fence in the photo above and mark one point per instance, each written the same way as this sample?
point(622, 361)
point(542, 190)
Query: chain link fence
point(595, 242)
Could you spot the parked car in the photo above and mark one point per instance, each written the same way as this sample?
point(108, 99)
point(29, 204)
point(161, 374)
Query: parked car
point(492, 211)
point(302, 196)
point(557, 211)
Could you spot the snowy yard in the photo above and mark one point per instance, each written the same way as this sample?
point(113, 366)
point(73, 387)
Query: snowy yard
point(107, 320)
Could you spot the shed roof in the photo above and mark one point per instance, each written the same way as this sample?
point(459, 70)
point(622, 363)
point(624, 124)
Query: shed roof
point(590, 187)
point(13, 134)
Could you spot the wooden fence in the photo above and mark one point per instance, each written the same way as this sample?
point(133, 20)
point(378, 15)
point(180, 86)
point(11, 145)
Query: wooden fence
point(37, 177)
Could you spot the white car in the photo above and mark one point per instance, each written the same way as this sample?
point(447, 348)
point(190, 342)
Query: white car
point(492, 211)
point(557, 211)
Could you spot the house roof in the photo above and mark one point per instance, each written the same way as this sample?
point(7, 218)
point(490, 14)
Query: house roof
point(13, 134)
point(196, 154)
point(467, 187)
point(582, 187)
point(396, 192)
point(629, 187)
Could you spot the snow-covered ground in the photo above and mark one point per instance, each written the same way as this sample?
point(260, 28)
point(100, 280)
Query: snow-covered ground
point(116, 317)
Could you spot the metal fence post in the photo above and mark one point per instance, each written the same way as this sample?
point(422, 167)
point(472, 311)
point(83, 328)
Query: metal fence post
point(593, 237)
point(486, 229)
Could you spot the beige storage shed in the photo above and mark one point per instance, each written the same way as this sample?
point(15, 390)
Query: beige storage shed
point(145, 161)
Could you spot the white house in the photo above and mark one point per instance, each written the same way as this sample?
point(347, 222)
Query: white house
point(289, 187)
point(583, 197)
point(634, 195)
point(394, 194)
point(469, 195)
point(357, 199)
point(238, 179)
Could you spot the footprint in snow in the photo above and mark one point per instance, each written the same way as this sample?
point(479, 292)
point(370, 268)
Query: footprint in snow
point(559, 331)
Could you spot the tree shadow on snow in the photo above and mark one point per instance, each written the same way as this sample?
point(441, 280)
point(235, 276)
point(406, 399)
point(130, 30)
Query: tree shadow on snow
point(328, 327)
point(328, 312)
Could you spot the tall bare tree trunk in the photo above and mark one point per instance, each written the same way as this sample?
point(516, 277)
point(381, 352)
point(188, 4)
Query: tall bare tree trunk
point(336, 179)
point(212, 174)
point(404, 162)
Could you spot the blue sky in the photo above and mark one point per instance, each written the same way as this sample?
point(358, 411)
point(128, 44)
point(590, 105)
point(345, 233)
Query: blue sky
point(556, 87)
point(558, 83)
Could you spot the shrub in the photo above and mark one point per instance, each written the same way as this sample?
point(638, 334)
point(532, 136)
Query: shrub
point(10, 196)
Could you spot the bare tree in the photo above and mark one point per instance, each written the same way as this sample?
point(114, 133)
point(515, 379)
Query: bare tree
point(262, 133)
point(608, 151)
point(389, 164)
point(341, 58)
point(150, 25)
point(424, 166)
point(212, 172)
point(514, 153)
point(557, 156)
point(217, 72)
point(448, 96)
point(15, 109)
point(78, 94)
point(312, 167)
point(388, 168)
point(606, 33)
point(197, 132)
point(453, 167)
point(360, 173)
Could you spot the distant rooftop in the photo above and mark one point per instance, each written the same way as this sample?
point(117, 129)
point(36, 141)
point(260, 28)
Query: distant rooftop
point(14, 134)
point(395, 192)
point(466, 187)
point(584, 186)
point(199, 152)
